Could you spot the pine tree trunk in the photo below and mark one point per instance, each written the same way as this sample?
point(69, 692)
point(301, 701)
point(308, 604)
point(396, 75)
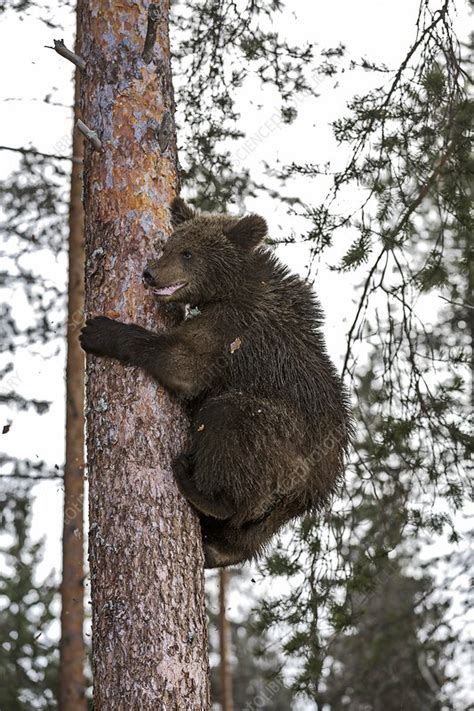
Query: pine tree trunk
point(149, 624)
point(224, 643)
point(72, 649)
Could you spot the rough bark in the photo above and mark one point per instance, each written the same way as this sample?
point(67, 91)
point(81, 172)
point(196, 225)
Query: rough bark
point(72, 649)
point(149, 625)
point(224, 640)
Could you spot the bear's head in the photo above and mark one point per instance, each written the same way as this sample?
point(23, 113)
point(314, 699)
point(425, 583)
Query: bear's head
point(205, 257)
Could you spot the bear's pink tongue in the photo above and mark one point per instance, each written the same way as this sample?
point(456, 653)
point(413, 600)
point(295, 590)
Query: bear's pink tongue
point(168, 290)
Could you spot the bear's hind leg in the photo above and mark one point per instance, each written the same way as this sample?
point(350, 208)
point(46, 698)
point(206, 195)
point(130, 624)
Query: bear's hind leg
point(223, 544)
point(210, 506)
point(216, 557)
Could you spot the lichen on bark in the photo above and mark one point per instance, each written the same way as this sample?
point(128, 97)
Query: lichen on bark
point(149, 626)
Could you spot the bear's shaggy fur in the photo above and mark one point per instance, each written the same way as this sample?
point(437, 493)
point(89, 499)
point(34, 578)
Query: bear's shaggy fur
point(270, 417)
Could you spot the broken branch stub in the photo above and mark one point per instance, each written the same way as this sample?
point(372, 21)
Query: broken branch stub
point(68, 54)
point(154, 14)
point(89, 134)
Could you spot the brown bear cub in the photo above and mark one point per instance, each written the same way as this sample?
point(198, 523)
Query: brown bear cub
point(270, 417)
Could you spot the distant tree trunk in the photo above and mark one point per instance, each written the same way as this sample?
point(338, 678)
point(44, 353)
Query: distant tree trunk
point(72, 649)
point(224, 640)
point(149, 624)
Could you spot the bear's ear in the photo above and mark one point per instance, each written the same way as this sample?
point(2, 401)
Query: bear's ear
point(181, 212)
point(247, 232)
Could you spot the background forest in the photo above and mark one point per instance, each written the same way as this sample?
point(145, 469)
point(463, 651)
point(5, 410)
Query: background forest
point(348, 128)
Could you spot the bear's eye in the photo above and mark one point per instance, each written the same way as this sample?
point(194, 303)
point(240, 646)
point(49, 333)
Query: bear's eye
point(186, 254)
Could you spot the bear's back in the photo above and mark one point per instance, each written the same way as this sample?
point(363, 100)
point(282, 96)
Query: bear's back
point(278, 350)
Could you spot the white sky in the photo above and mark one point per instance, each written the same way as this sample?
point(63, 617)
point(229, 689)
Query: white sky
point(380, 30)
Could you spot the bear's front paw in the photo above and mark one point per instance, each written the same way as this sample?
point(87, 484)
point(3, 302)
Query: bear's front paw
point(99, 336)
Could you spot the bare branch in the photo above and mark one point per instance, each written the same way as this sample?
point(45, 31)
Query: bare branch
point(89, 134)
point(68, 54)
point(32, 477)
point(394, 232)
point(34, 152)
point(463, 305)
point(150, 39)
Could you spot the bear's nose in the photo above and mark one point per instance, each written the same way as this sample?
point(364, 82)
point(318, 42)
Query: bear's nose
point(148, 277)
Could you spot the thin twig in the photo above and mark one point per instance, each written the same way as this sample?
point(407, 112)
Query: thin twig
point(393, 233)
point(89, 134)
point(34, 152)
point(150, 39)
point(61, 49)
point(32, 477)
point(464, 305)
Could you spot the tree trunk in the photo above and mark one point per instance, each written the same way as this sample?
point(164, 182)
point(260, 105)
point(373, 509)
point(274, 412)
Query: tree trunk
point(149, 625)
point(72, 650)
point(224, 639)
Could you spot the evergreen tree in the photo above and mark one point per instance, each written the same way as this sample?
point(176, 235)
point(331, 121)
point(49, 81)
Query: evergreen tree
point(409, 346)
point(393, 657)
point(28, 652)
point(33, 212)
